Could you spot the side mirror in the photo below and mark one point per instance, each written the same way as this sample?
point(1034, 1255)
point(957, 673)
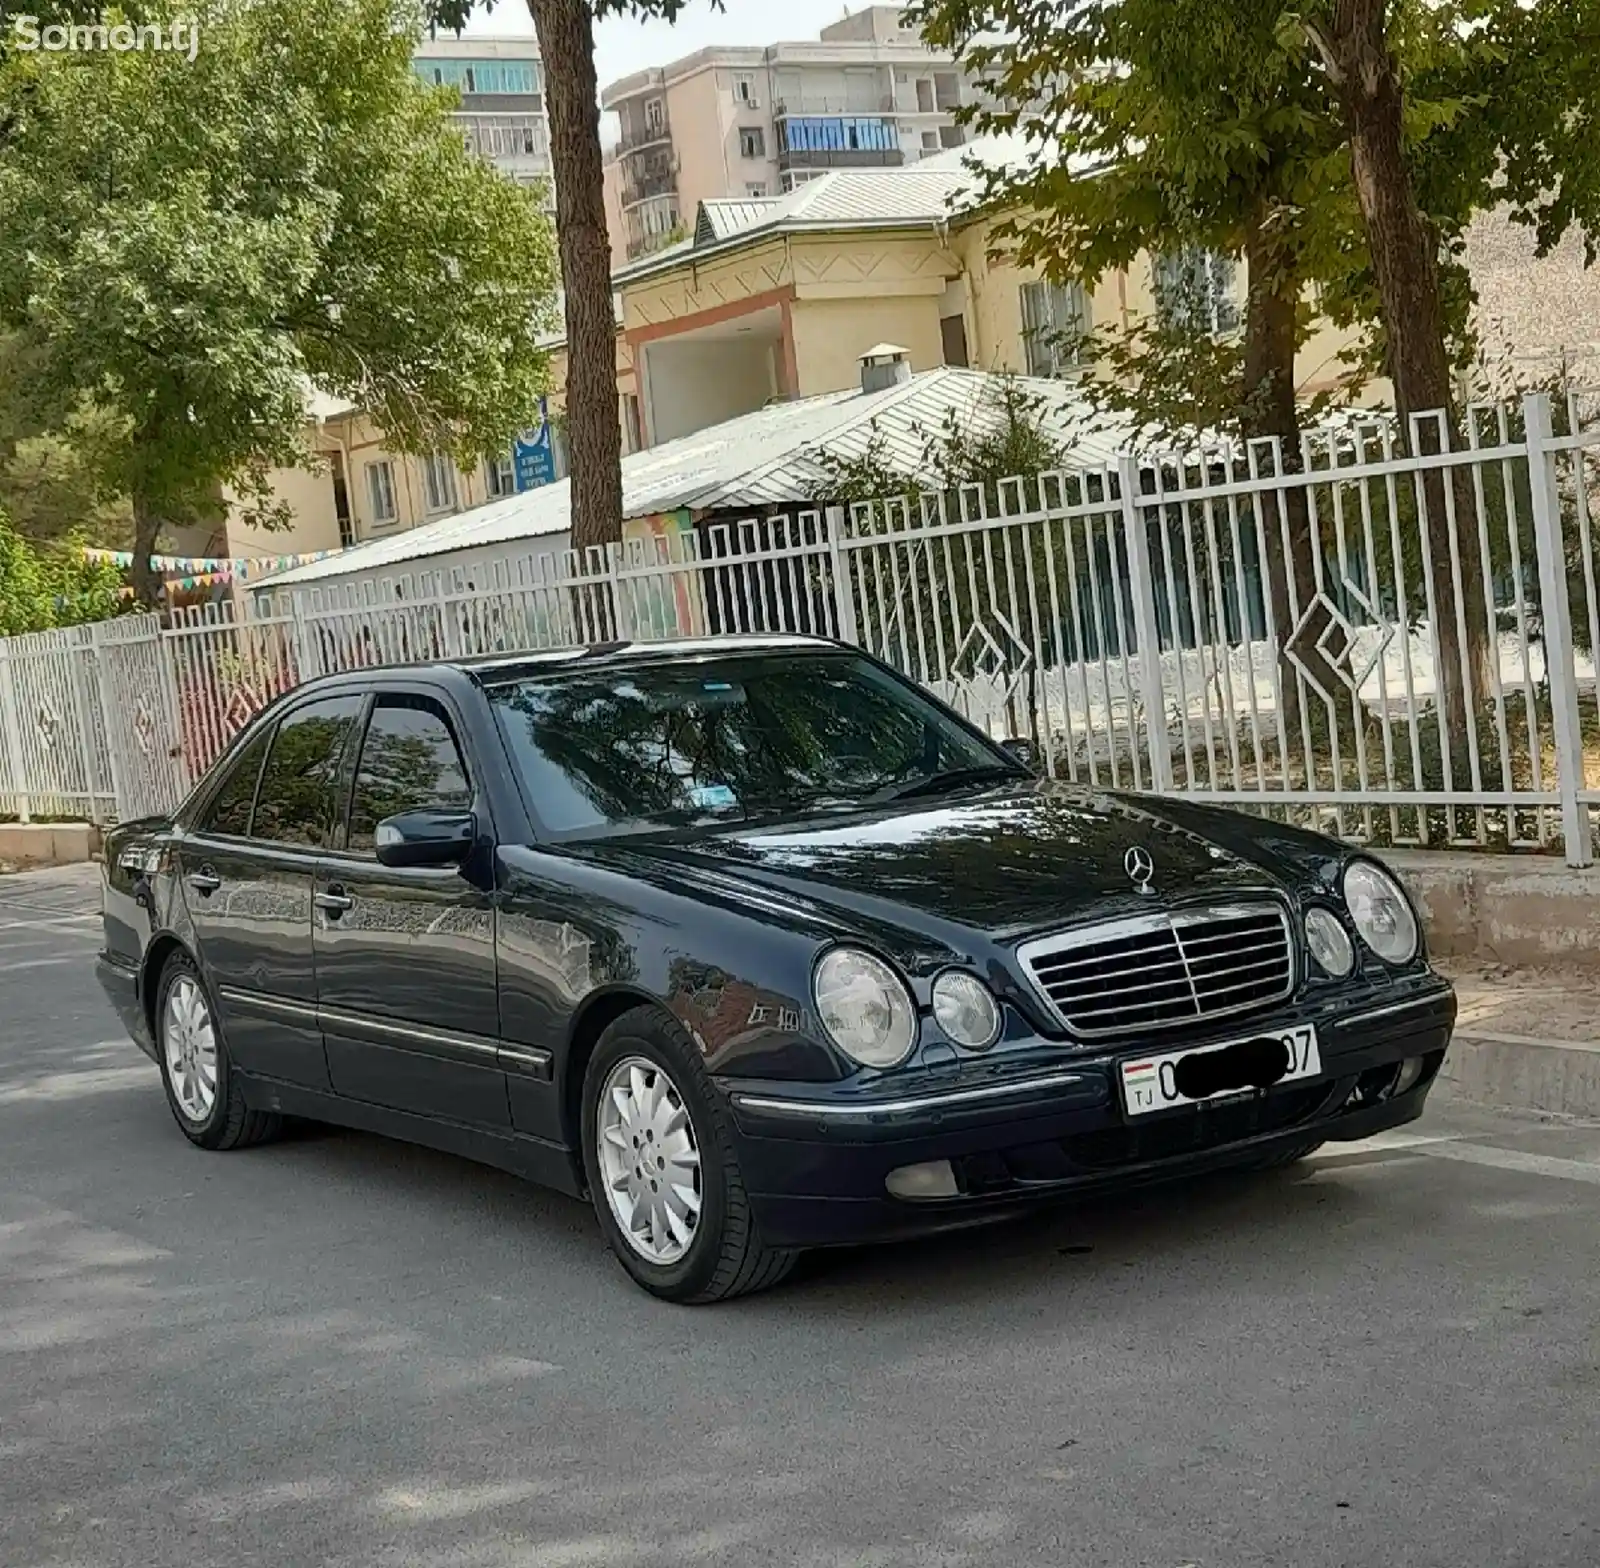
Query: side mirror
point(1024, 751)
point(426, 838)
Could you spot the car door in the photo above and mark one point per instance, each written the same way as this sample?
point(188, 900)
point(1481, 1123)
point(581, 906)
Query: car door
point(247, 879)
point(405, 958)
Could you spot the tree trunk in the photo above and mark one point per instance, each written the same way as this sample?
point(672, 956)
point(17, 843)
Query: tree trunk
point(146, 580)
point(1403, 246)
point(1270, 410)
point(594, 438)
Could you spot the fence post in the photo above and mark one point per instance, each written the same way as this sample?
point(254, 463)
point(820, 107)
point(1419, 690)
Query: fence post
point(1557, 617)
point(119, 791)
point(1146, 628)
point(12, 732)
point(83, 654)
point(844, 599)
point(621, 620)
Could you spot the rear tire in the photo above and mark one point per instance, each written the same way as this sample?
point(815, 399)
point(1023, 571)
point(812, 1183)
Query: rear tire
point(202, 1088)
point(659, 1155)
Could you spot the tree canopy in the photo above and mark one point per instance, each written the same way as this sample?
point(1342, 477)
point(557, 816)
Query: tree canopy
point(189, 246)
point(45, 586)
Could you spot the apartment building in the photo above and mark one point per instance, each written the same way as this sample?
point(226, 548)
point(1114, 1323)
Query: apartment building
point(502, 113)
point(753, 123)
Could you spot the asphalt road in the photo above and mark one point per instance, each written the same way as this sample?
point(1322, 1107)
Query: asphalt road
point(337, 1350)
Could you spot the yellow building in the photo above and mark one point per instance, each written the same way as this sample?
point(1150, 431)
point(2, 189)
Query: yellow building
point(776, 299)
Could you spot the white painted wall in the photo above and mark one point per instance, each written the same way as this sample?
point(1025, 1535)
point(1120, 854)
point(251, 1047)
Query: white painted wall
point(695, 384)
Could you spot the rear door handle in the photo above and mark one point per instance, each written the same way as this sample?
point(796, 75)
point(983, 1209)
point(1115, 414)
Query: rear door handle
point(205, 882)
point(334, 902)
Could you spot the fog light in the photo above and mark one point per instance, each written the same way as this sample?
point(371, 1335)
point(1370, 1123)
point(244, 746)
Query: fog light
point(935, 1179)
point(1410, 1071)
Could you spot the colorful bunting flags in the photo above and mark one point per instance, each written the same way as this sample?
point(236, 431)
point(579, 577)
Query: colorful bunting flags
point(199, 571)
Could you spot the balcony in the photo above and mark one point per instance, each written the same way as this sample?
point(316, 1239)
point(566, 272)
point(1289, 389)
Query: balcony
point(782, 108)
point(840, 158)
point(646, 187)
point(637, 138)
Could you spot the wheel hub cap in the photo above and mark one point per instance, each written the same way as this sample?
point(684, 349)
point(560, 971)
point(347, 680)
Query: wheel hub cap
point(189, 1042)
point(649, 1160)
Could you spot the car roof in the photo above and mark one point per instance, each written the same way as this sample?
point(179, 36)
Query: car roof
point(498, 667)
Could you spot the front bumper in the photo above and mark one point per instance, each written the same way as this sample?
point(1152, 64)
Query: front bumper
point(815, 1157)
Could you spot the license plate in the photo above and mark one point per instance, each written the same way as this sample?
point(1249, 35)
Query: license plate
point(1236, 1069)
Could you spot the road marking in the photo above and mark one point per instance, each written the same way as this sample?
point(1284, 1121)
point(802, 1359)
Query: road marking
point(1517, 1160)
point(1451, 1146)
point(10, 967)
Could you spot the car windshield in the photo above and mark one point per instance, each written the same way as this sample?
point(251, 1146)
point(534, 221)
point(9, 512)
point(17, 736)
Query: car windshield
point(729, 739)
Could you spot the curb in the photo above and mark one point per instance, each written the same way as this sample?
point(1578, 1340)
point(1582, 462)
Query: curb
point(1517, 1072)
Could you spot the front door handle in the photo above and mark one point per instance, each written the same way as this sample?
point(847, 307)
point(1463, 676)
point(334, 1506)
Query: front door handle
point(334, 902)
point(205, 881)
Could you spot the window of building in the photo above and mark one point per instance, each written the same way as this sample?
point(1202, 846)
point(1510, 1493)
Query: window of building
point(632, 425)
point(1055, 327)
point(439, 482)
point(504, 77)
point(228, 815)
point(744, 89)
point(756, 189)
point(752, 142)
point(500, 477)
point(930, 141)
point(380, 491)
point(805, 134)
point(795, 178)
point(1195, 288)
point(655, 115)
point(300, 783)
point(409, 762)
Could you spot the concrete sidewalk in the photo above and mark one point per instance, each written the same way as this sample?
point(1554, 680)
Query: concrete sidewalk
point(1526, 1037)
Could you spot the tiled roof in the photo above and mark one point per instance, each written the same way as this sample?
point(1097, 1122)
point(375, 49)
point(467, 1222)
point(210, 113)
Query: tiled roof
point(764, 459)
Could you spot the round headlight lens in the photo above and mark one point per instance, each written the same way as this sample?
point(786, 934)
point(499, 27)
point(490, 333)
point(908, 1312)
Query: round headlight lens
point(965, 1009)
point(865, 1007)
point(1329, 944)
point(1382, 915)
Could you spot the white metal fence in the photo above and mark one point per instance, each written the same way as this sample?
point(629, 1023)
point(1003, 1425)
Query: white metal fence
point(1396, 648)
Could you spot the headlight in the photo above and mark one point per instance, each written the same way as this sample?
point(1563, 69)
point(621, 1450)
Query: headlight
point(1381, 913)
point(865, 1007)
point(965, 1009)
point(1329, 944)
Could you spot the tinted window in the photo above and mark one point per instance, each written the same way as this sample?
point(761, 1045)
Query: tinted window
point(409, 761)
point(300, 786)
point(728, 738)
point(229, 811)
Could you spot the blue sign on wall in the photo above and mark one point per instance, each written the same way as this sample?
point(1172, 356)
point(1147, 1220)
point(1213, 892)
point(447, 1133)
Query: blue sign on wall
point(534, 455)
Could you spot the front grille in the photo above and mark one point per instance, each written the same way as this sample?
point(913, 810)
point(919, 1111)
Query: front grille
point(1162, 971)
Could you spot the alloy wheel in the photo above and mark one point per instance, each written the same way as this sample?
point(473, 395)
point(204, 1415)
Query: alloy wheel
point(649, 1160)
point(189, 1043)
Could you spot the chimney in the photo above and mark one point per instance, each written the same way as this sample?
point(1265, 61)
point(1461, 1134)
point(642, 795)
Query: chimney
point(883, 366)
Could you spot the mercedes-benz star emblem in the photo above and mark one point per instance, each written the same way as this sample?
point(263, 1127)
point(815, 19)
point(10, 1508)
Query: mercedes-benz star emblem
point(1138, 864)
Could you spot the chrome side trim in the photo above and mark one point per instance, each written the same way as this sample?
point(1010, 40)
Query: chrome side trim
point(924, 1102)
point(414, 1037)
point(528, 1060)
point(273, 1006)
point(470, 1048)
point(1394, 1007)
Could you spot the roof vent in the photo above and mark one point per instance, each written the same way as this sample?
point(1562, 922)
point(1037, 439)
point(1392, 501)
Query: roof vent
point(883, 366)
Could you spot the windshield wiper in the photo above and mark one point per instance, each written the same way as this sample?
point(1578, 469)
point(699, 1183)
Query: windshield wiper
point(954, 778)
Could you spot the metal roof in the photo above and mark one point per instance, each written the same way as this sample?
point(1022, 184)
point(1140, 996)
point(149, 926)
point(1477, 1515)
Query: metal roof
point(762, 459)
point(722, 218)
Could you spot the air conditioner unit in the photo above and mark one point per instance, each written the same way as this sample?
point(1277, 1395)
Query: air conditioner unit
point(752, 103)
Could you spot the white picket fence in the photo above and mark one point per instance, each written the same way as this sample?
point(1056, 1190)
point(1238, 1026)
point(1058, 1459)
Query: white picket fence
point(1426, 676)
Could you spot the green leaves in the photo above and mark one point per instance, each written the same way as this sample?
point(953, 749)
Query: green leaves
point(52, 585)
point(188, 245)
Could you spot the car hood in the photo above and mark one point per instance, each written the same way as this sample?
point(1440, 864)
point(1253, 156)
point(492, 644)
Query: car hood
point(998, 864)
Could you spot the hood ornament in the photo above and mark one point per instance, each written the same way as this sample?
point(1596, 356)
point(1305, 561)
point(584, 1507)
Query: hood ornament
point(1140, 868)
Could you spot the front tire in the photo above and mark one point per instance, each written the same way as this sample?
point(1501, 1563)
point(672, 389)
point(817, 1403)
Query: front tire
point(658, 1152)
point(202, 1088)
